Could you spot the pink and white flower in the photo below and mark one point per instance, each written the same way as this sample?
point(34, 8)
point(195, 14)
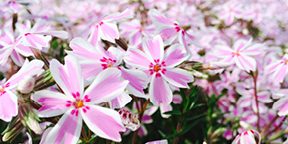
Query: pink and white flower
point(8, 98)
point(247, 137)
point(159, 66)
point(279, 69)
point(240, 54)
point(106, 29)
point(77, 105)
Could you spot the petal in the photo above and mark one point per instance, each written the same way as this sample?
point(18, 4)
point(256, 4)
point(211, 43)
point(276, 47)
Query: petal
point(165, 108)
point(104, 122)
point(253, 50)
point(135, 38)
point(137, 80)
point(94, 36)
point(24, 50)
point(67, 130)
point(245, 62)
point(59, 34)
point(174, 55)
point(281, 106)
point(223, 51)
point(68, 76)
point(36, 41)
point(137, 58)
point(158, 19)
point(106, 86)
point(159, 91)
point(167, 32)
point(120, 101)
point(29, 68)
point(17, 58)
point(84, 49)
point(4, 54)
point(280, 73)
point(90, 68)
point(178, 77)
point(8, 106)
point(127, 13)
point(154, 48)
point(109, 31)
point(272, 67)
point(53, 103)
point(241, 44)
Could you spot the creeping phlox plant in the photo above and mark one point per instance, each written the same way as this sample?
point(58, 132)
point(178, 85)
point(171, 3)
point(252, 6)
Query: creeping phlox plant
point(143, 71)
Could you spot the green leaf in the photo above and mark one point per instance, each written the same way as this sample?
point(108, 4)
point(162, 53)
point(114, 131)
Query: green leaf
point(195, 117)
point(195, 106)
point(183, 95)
point(161, 133)
point(173, 112)
point(188, 127)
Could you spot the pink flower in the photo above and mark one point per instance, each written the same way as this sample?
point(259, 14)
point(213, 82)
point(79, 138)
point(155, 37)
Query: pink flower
point(158, 142)
point(77, 105)
point(39, 35)
point(8, 99)
point(93, 60)
point(279, 69)
point(134, 31)
point(240, 54)
point(12, 47)
point(159, 66)
point(231, 9)
point(247, 137)
point(106, 29)
point(169, 30)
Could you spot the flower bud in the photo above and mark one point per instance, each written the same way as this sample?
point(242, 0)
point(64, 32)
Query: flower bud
point(26, 85)
point(29, 118)
point(129, 121)
point(215, 65)
point(44, 81)
point(12, 130)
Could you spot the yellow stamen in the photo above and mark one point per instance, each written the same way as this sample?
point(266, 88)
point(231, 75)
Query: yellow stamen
point(157, 68)
point(109, 65)
point(78, 104)
point(2, 89)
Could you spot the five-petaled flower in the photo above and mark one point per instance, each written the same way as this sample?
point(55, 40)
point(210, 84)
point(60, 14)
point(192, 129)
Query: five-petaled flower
point(76, 104)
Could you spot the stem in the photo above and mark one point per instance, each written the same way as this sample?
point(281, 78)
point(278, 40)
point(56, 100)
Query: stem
point(143, 108)
point(178, 129)
point(275, 129)
point(271, 122)
point(256, 100)
point(84, 134)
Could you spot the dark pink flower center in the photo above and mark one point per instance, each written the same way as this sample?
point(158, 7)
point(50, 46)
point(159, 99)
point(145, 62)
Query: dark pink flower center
point(107, 63)
point(78, 103)
point(157, 67)
point(285, 61)
point(2, 89)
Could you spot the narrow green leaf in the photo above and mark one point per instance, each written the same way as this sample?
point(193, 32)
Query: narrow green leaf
point(173, 112)
point(195, 117)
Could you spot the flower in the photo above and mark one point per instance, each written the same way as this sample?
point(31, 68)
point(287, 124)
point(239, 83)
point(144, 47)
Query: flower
point(8, 99)
point(240, 54)
point(159, 67)
point(247, 137)
point(77, 105)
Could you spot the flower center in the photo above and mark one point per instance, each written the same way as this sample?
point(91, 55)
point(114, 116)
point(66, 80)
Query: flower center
point(107, 63)
point(236, 54)
point(157, 68)
point(78, 104)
